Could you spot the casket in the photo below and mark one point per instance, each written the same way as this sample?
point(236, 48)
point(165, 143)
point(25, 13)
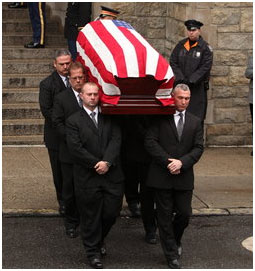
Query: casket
point(133, 77)
point(137, 98)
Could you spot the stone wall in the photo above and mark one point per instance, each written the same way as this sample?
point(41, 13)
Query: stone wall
point(228, 29)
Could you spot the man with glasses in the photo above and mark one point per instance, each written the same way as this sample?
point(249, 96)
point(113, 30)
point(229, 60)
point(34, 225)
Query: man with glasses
point(65, 105)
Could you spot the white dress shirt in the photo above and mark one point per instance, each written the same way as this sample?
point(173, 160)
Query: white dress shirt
point(177, 117)
point(89, 112)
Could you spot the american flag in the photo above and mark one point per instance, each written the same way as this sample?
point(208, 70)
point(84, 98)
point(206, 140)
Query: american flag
point(112, 49)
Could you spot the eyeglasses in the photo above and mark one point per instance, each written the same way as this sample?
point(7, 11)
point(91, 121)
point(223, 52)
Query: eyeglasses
point(77, 77)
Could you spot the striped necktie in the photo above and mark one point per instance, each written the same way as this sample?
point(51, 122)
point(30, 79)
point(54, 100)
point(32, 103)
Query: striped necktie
point(92, 114)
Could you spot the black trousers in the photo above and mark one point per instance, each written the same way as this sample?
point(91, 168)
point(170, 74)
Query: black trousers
point(99, 207)
point(71, 219)
point(56, 173)
point(171, 227)
point(135, 174)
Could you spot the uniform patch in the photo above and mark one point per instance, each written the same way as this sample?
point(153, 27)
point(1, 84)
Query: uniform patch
point(210, 48)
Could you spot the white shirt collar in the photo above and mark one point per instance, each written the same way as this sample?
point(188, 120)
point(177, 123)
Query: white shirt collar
point(96, 110)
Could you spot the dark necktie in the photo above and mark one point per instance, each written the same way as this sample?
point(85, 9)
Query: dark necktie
point(92, 114)
point(67, 82)
point(180, 125)
point(80, 101)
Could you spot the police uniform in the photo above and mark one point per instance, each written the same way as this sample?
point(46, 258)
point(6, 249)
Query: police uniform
point(191, 63)
point(78, 14)
point(37, 17)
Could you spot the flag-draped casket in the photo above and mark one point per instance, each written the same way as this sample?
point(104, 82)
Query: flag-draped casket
point(133, 77)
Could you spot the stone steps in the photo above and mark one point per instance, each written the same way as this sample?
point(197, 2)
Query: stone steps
point(20, 38)
point(16, 52)
point(16, 95)
point(22, 127)
point(18, 66)
point(22, 71)
point(8, 26)
point(23, 140)
point(22, 80)
point(21, 111)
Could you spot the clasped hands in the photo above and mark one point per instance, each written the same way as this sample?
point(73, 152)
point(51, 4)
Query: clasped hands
point(101, 167)
point(174, 166)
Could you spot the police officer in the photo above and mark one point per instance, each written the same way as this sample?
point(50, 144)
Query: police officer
point(37, 18)
point(191, 61)
point(78, 14)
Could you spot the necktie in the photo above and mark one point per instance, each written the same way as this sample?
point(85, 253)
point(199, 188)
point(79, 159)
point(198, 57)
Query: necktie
point(67, 82)
point(180, 125)
point(92, 114)
point(80, 101)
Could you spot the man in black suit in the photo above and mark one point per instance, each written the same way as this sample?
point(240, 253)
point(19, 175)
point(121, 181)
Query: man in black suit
point(49, 88)
point(94, 141)
point(65, 104)
point(175, 143)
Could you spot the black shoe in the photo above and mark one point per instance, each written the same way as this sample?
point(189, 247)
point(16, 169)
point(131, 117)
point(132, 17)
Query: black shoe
point(17, 5)
point(33, 45)
point(62, 209)
point(96, 263)
point(71, 233)
point(135, 210)
point(150, 238)
point(174, 264)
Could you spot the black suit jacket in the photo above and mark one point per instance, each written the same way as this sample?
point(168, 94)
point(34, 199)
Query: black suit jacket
point(65, 104)
point(49, 88)
point(162, 143)
point(89, 145)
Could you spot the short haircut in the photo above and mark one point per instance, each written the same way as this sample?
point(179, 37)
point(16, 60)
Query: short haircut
point(92, 84)
point(62, 52)
point(182, 87)
point(76, 65)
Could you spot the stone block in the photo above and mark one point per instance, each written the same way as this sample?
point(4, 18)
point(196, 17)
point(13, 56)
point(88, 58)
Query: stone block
point(229, 57)
point(225, 140)
point(236, 76)
point(219, 81)
point(156, 33)
point(157, 22)
point(230, 115)
point(125, 8)
point(179, 11)
point(151, 9)
point(158, 44)
point(248, 141)
point(240, 102)
point(226, 16)
point(219, 70)
point(220, 129)
point(246, 19)
point(223, 102)
point(229, 28)
point(242, 91)
point(235, 41)
point(209, 112)
point(242, 129)
point(227, 5)
point(223, 92)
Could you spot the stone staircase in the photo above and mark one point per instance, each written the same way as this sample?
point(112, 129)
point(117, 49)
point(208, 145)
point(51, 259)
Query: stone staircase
point(22, 71)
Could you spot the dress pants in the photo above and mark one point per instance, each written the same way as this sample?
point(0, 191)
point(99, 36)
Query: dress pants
point(71, 210)
point(171, 227)
point(99, 206)
point(56, 172)
point(37, 17)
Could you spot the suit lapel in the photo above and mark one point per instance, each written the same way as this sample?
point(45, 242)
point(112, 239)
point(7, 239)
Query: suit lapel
point(59, 81)
point(89, 121)
point(73, 98)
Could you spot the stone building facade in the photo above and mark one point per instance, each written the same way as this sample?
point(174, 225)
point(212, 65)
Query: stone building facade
point(228, 27)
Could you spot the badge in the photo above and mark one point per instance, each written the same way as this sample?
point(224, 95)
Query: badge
point(198, 54)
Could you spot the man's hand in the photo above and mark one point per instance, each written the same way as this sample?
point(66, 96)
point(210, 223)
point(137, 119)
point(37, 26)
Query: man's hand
point(174, 166)
point(101, 167)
